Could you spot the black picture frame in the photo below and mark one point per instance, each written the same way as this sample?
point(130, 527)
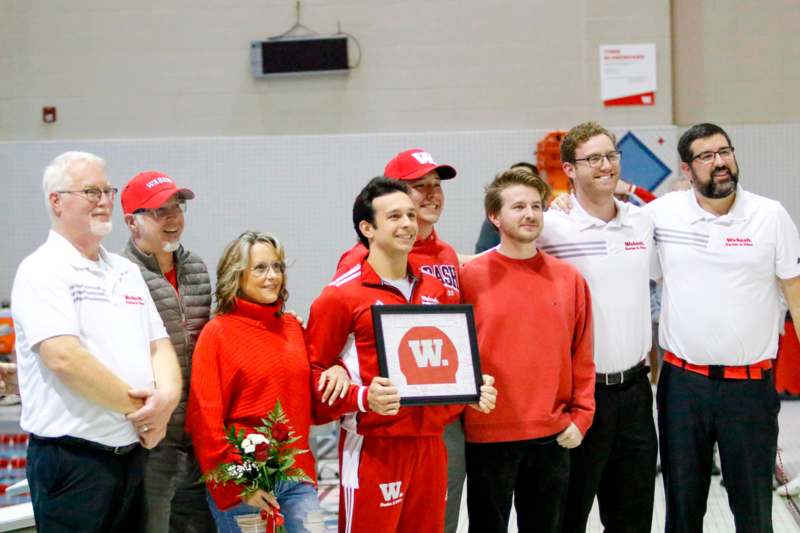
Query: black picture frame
point(427, 377)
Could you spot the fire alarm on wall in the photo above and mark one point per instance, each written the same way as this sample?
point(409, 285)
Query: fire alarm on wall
point(48, 115)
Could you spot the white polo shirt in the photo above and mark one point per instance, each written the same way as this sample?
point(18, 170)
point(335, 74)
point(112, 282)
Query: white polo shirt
point(721, 302)
point(106, 304)
point(615, 258)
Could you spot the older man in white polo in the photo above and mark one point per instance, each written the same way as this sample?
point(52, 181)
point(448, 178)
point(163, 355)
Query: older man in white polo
point(97, 373)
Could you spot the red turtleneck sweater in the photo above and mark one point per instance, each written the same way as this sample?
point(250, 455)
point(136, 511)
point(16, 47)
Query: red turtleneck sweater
point(243, 363)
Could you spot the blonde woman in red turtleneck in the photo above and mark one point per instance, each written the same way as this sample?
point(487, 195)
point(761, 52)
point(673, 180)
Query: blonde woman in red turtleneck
point(249, 356)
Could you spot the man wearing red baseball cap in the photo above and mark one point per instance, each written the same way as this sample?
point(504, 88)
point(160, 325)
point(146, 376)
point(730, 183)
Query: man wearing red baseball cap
point(423, 175)
point(154, 208)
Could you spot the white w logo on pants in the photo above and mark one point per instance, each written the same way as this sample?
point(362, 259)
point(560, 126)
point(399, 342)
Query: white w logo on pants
point(391, 491)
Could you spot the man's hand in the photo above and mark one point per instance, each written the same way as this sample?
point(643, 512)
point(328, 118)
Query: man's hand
point(297, 317)
point(8, 379)
point(488, 397)
point(624, 188)
point(570, 437)
point(150, 437)
point(562, 203)
point(155, 413)
point(337, 384)
point(383, 397)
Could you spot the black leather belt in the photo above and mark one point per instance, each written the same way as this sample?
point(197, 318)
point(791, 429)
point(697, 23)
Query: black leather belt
point(83, 443)
point(618, 378)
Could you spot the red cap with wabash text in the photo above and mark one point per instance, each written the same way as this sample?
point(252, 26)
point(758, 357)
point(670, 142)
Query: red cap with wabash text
point(150, 190)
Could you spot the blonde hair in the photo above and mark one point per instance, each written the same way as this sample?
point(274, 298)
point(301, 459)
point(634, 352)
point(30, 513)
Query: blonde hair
point(233, 263)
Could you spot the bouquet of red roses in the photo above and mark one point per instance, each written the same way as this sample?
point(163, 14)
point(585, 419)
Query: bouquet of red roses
point(266, 457)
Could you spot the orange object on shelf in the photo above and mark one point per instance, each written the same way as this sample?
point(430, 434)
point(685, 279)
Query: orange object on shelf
point(548, 161)
point(7, 336)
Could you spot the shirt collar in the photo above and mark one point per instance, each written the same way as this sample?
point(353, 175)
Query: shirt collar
point(739, 211)
point(267, 314)
point(588, 221)
point(370, 277)
point(74, 256)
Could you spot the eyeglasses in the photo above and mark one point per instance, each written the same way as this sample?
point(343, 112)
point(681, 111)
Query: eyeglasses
point(595, 160)
point(94, 194)
point(166, 211)
point(262, 269)
point(708, 157)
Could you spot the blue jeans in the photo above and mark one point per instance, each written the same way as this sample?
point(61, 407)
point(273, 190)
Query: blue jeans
point(297, 500)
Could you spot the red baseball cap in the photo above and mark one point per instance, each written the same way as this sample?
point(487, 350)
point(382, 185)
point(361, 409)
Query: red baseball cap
point(149, 190)
point(415, 163)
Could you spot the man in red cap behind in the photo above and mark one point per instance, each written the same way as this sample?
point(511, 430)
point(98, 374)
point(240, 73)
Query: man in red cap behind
point(179, 284)
point(424, 176)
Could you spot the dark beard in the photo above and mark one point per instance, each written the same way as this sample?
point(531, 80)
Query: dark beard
point(714, 190)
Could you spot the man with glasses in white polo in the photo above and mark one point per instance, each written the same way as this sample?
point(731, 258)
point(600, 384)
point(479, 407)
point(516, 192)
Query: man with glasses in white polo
point(726, 256)
point(97, 374)
point(154, 208)
point(611, 244)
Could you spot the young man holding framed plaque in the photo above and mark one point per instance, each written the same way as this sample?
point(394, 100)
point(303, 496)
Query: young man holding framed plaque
point(393, 462)
point(424, 176)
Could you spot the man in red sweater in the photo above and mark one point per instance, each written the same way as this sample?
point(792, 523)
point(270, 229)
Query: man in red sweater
point(534, 321)
point(393, 462)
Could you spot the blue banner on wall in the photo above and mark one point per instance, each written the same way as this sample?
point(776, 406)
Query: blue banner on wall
point(640, 165)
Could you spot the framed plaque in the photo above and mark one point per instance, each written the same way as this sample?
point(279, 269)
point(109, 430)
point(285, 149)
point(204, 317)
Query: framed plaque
point(429, 352)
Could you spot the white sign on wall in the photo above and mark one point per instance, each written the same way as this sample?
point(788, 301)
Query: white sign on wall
point(628, 74)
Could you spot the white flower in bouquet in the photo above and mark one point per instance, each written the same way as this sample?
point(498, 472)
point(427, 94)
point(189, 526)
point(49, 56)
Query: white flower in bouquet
point(251, 441)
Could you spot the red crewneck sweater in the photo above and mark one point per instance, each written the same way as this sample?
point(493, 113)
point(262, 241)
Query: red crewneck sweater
point(534, 323)
point(243, 363)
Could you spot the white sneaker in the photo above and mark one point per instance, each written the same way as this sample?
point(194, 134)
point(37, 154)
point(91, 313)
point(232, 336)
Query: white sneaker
point(792, 488)
point(10, 399)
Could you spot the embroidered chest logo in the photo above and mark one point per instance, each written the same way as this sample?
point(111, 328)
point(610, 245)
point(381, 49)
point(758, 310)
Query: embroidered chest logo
point(635, 245)
point(738, 241)
point(427, 356)
point(134, 300)
point(429, 300)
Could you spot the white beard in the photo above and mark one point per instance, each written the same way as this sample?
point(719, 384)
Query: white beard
point(171, 246)
point(100, 229)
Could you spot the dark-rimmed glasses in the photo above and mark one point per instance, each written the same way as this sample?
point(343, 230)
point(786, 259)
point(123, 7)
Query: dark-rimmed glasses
point(708, 157)
point(94, 194)
point(596, 160)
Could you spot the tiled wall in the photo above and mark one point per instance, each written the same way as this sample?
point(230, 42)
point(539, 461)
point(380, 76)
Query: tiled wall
point(177, 68)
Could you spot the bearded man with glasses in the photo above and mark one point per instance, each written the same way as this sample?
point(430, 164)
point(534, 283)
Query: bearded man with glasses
point(726, 256)
point(179, 283)
point(97, 374)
